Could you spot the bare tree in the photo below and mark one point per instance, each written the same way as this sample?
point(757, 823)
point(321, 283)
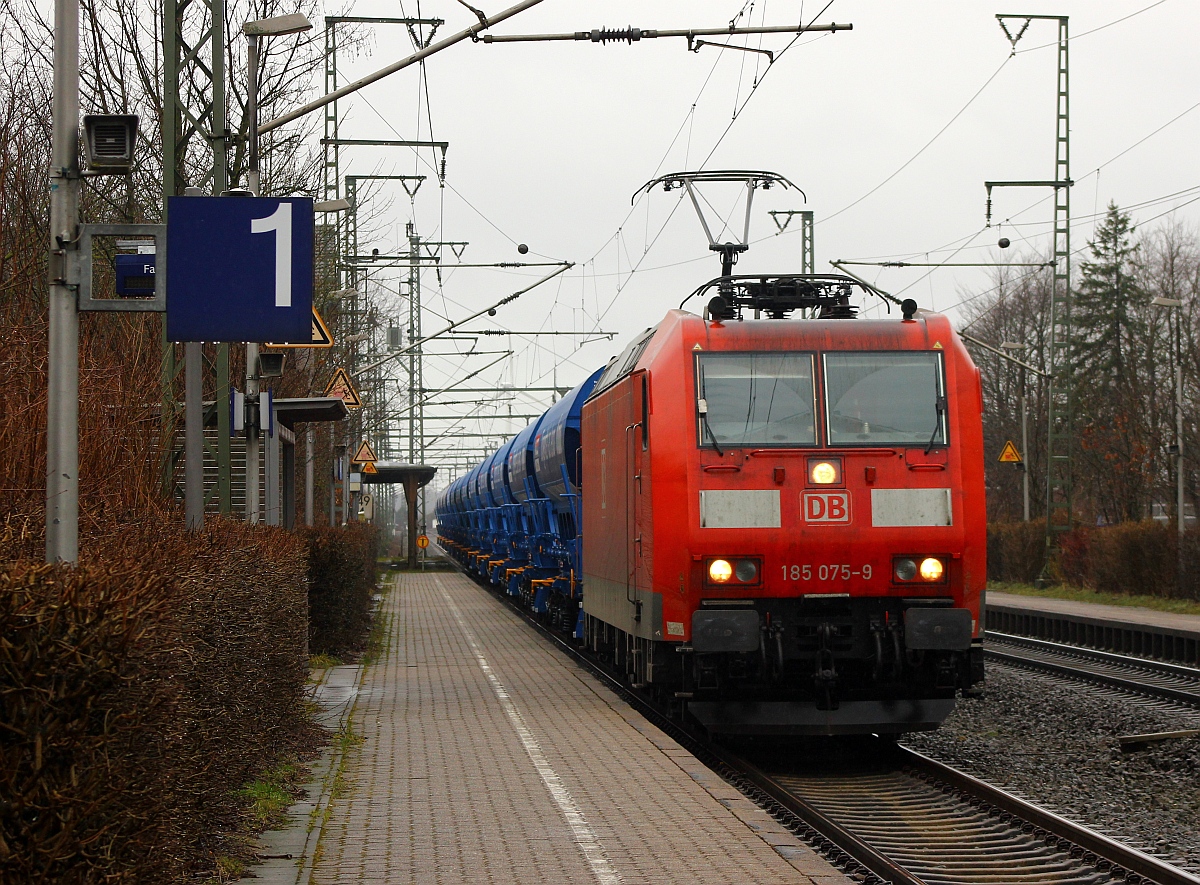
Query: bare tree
point(1015, 311)
point(1123, 374)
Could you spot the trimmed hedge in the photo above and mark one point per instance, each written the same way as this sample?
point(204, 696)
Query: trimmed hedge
point(1131, 557)
point(341, 584)
point(1016, 551)
point(138, 694)
point(78, 650)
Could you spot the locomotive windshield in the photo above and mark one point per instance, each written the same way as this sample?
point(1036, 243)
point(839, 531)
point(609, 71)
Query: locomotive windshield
point(760, 399)
point(885, 399)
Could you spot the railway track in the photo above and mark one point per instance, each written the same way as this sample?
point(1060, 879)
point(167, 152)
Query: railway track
point(906, 819)
point(910, 819)
point(1153, 679)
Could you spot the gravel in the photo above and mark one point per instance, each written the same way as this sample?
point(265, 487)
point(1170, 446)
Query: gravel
point(1055, 744)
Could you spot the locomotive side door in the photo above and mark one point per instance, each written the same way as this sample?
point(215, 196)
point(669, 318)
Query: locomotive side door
point(641, 554)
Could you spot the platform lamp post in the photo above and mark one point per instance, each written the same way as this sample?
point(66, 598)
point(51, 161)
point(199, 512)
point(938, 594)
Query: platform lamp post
point(1016, 346)
point(266, 27)
point(62, 425)
point(1176, 305)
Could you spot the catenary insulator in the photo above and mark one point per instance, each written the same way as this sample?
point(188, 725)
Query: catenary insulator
point(604, 35)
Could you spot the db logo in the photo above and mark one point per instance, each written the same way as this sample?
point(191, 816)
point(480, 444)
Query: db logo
point(826, 507)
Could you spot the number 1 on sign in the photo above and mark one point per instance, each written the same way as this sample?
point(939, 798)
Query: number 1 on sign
point(280, 221)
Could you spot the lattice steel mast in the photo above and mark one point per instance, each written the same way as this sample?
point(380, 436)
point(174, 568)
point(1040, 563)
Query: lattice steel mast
point(198, 116)
point(346, 232)
point(1062, 387)
point(1061, 407)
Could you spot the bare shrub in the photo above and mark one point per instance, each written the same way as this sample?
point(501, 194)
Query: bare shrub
point(139, 691)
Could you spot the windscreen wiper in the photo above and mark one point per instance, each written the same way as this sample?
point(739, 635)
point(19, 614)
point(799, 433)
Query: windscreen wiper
point(702, 406)
point(940, 406)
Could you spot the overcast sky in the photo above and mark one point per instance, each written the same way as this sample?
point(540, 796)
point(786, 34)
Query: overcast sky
point(889, 129)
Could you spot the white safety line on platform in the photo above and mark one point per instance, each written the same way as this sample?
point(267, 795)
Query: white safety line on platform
point(585, 836)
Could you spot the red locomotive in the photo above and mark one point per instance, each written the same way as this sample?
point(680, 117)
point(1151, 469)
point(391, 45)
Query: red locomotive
point(783, 520)
point(775, 524)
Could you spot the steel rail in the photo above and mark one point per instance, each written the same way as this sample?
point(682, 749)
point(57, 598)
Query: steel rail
point(1109, 850)
point(1003, 838)
point(1166, 668)
point(1098, 673)
point(855, 846)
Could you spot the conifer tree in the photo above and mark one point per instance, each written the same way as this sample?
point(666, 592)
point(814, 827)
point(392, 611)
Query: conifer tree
point(1111, 334)
point(1106, 315)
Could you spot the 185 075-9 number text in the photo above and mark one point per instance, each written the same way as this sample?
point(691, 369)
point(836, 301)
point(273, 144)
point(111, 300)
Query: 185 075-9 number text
point(825, 572)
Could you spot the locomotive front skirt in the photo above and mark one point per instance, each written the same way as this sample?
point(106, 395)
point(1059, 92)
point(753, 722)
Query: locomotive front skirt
point(775, 525)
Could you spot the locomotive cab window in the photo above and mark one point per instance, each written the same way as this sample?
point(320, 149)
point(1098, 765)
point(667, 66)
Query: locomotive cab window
point(885, 399)
point(755, 399)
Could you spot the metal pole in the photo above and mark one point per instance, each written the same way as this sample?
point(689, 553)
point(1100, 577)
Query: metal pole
point(345, 484)
point(1179, 420)
point(410, 495)
point(1060, 441)
point(273, 444)
point(630, 35)
point(309, 484)
point(414, 313)
point(193, 441)
point(178, 142)
point(334, 461)
point(252, 424)
point(220, 179)
point(1025, 444)
point(252, 182)
point(224, 433)
point(62, 419)
point(252, 111)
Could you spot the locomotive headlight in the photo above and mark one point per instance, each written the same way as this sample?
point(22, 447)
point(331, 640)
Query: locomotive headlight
point(746, 571)
point(823, 473)
point(719, 571)
point(905, 569)
point(932, 569)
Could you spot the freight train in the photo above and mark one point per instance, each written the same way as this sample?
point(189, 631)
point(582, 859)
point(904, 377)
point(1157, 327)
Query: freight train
point(769, 517)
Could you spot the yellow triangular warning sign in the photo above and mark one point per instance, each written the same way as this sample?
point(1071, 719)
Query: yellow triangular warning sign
point(320, 334)
point(937, 345)
point(341, 387)
point(365, 454)
point(369, 467)
point(320, 331)
point(1009, 454)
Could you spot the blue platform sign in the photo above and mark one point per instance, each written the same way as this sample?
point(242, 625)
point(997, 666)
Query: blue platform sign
point(134, 275)
point(240, 269)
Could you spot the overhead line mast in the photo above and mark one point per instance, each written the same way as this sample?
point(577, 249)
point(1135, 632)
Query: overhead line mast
point(1060, 433)
point(345, 231)
point(195, 131)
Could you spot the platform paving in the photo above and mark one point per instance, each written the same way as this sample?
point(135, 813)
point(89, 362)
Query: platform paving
point(1118, 614)
point(487, 756)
